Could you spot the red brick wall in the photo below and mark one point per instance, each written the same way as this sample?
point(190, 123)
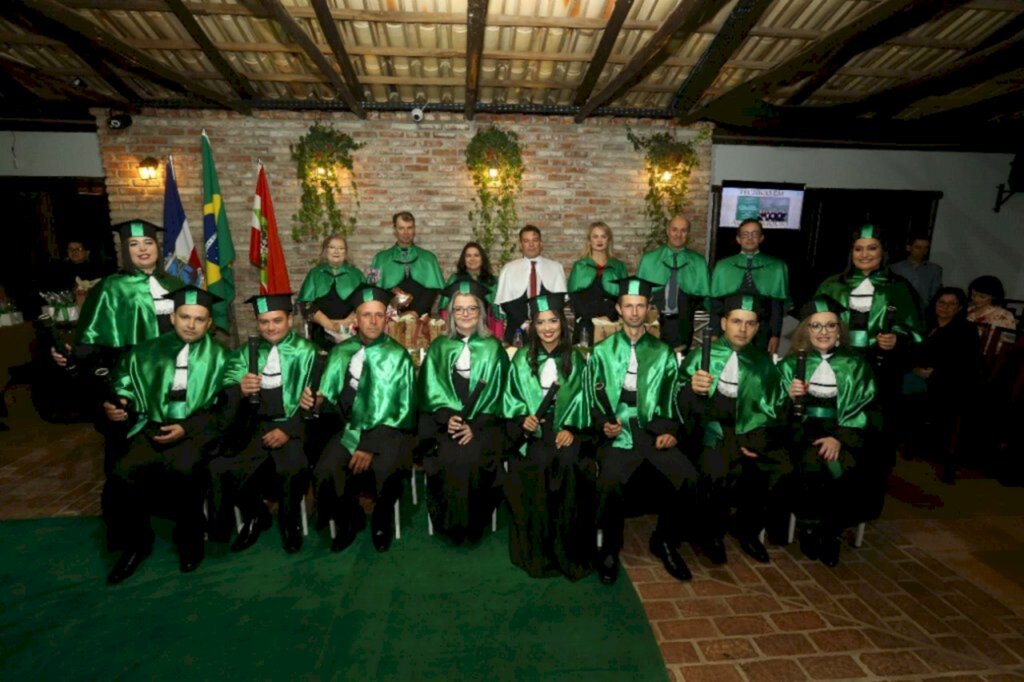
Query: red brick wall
point(574, 174)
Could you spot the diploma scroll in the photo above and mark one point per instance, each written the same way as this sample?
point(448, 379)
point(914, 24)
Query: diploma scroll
point(107, 394)
point(48, 336)
point(254, 364)
point(471, 401)
point(546, 403)
point(705, 348)
point(315, 376)
point(605, 404)
point(800, 373)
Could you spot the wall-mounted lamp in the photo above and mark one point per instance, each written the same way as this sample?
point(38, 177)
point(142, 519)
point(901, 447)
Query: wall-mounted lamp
point(320, 171)
point(492, 173)
point(148, 168)
point(666, 176)
point(1015, 182)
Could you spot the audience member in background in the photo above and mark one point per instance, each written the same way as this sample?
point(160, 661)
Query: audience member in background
point(474, 264)
point(591, 282)
point(681, 281)
point(526, 278)
point(758, 274)
point(76, 272)
point(949, 362)
point(325, 290)
point(986, 296)
point(408, 268)
point(923, 275)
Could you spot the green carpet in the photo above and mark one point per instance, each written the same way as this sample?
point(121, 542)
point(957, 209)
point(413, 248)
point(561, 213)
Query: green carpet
point(422, 611)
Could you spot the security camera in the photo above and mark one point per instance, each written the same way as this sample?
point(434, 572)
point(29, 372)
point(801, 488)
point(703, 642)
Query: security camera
point(416, 115)
point(119, 121)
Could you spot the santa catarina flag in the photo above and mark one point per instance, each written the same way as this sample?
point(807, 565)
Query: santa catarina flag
point(264, 244)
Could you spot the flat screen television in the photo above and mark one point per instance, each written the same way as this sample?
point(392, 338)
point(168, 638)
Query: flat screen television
point(777, 205)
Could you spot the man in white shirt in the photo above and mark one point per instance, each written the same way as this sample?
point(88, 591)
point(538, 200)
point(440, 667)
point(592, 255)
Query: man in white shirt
point(525, 278)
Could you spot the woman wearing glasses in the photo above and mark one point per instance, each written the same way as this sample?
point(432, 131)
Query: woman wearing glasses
point(828, 413)
point(459, 393)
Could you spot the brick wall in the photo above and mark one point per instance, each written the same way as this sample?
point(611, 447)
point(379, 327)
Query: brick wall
point(574, 174)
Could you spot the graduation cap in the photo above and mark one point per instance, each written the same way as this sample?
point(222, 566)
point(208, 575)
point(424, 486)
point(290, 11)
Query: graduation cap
point(633, 286)
point(545, 302)
point(747, 302)
point(190, 295)
point(820, 304)
point(467, 286)
point(136, 228)
point(270, 302)
point(868, 231)
point(368, 292)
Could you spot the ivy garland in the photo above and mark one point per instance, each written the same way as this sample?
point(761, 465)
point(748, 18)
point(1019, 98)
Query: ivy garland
point(495, 221)
point(669, 163)
point(317, 157)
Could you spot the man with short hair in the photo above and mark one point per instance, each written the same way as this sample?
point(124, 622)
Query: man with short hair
point(758, 274)
point(923, 275)
point(408, 267)
point(681, 281)
point(525, 278)
point(76, 271)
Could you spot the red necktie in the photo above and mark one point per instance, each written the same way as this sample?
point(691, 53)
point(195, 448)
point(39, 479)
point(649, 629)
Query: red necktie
point(533, 279)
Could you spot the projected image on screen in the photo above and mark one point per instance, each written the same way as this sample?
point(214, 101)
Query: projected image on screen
point(777, 207)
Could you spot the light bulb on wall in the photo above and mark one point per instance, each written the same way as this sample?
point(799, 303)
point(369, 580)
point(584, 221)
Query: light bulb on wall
point(148, 168)
point(492, 173)
point(666, 176)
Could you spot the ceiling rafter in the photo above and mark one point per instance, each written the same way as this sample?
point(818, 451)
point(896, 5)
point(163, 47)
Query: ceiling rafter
point(603, 51)
point(476, 22)
point(330, 31)
point(242, 87)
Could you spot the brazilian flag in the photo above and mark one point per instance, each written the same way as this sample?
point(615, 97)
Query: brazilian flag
point(220, 252)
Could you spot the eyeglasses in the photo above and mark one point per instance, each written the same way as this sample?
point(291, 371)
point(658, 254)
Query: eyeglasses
point(818, 326)
point(467, 310)
point(749, 235)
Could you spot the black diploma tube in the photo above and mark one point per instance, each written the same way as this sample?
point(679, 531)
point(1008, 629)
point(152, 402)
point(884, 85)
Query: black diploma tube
point(254, 364)
point(549, 398)
point(50, 340)
point(705, 348)
point(107, 393)
point(800, 373)
point(887, 319)
point(317, 373)
point(472, 400)
point(605, 404)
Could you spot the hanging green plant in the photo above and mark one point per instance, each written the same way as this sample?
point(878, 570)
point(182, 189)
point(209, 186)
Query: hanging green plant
point(669, 163)
point(495, 163)
point(321, 157)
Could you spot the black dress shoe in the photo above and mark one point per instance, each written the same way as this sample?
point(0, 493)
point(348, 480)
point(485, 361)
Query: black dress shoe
point(608, 569)
point(189, 559)
point(250, 532)
point(670, 559)
point(753, 548)
point(382, 538)
point(714, 550)
point(830, 550)
point(291, 537)
point(810, 544)
point(345, 536)
point(127, 564)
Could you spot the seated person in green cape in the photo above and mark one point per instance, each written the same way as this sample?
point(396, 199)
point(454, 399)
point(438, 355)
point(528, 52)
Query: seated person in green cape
point(168, 390)
point(408, 268)
point(734, 400)
point(758, 274)
point(459, 392)
point(633, 378)
point(369, 381)
point(262, 454)
point(829, 389)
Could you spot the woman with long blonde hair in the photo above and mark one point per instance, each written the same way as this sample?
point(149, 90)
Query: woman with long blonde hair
point(591, 282)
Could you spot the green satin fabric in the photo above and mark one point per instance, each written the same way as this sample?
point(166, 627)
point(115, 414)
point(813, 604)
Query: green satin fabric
point(758, 399)
point(855, 384)
point(487, 360)
point(146, 374)
point(423, 268)
point(693, 279)
point(656, 381)
point(496, 311)
point(296, 354)
point(771, 276)
point(889, 290)
point(119, 311)
point(320, 279)
point(572, 402)
point(584, 272)
point(387, 390)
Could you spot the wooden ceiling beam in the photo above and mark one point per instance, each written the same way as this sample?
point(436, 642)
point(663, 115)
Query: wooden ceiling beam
point(679, 24)
point(979, 110)
point(107, 73)
point(330, 31)
point(476, 22)
point(603, 51)
point(1005, 32)
point(734, 31)
point(280, 14)
point(61, 86)
point(242, 87)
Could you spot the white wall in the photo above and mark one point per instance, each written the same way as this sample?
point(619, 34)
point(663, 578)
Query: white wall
point(24, 153)
point(969, 240)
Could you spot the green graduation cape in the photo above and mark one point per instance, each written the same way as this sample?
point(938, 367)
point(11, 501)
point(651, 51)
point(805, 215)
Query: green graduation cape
point(656, 383)
point(423, 267)
point(318, 282)
point(119, 311)
point(757, 403)
point(889, 290)
point(491, 288)
point(296, 354)
point(855, 383)
point(771, 276)
point(488, 361)
point(386, 395)
point(145, 376)
point(572, 402)
point(693, 278)
point(585, 270)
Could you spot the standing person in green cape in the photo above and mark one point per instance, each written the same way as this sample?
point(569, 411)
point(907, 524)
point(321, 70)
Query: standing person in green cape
point(409, 268)
point(758, 274)
point(634, 376)
point(262, 454)
point(325, 290)
point(369, 381)
point(459, 393)
point(827, 411)
point(592, 280)
point(735, 400)
point(681, 283)
point(550, 488)
point(474, 264)
point(169, 388)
